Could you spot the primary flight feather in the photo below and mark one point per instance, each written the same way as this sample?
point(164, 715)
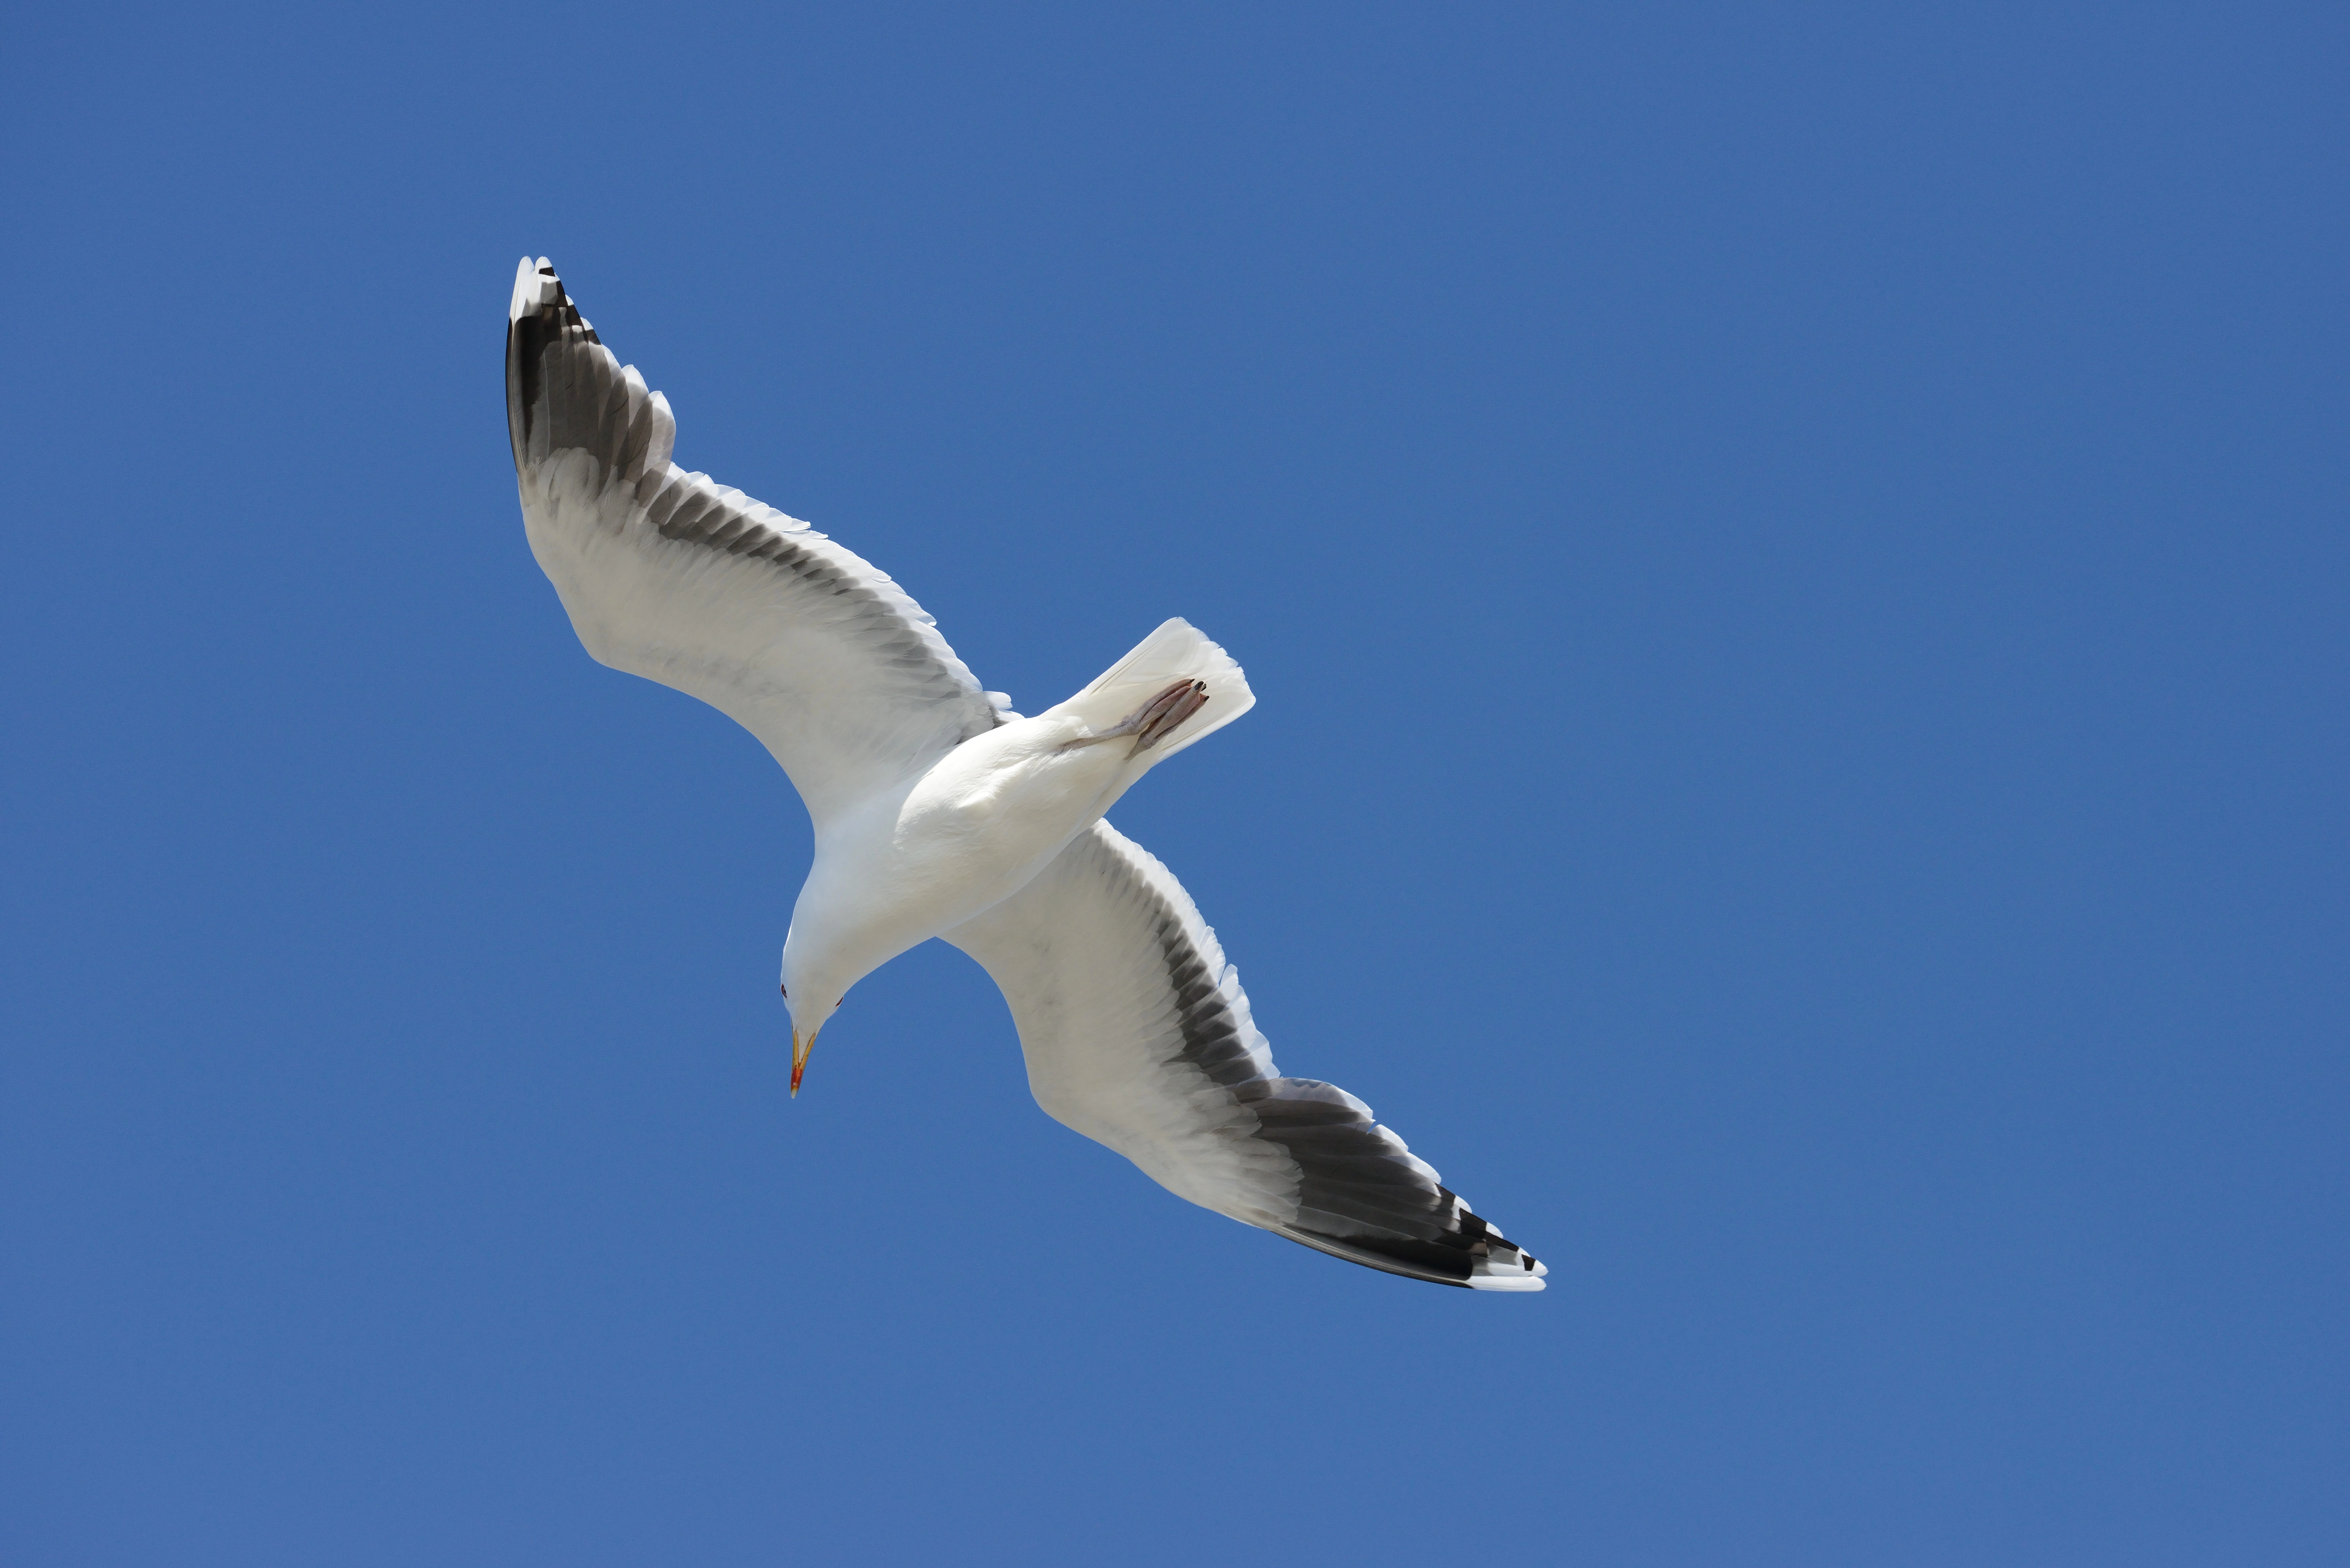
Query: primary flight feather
point(941, 813)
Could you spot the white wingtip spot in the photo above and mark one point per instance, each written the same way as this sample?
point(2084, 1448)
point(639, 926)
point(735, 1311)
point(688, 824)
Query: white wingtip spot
point(533, 285)
point(1508, 1271)
point(1504, 1283)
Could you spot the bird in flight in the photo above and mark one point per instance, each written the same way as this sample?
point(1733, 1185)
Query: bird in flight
point(939, 812)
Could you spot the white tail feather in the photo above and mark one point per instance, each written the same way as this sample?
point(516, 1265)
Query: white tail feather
point(1177, 650)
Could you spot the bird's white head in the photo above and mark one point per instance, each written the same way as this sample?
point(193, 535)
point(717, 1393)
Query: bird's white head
point(827, 951)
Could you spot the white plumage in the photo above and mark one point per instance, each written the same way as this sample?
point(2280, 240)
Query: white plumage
point(940, 813)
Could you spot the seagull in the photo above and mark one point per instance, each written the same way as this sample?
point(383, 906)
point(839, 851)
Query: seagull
point(939, 812)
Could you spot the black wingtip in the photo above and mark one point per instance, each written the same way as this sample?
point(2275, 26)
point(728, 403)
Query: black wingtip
point(1474, 1256)
point(1412, 1260)
point(536, 317)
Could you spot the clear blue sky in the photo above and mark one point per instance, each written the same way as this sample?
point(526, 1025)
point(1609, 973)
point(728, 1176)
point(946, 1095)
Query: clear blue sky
point(1793, 559)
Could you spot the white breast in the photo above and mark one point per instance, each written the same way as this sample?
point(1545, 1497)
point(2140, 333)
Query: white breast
point(965, 835)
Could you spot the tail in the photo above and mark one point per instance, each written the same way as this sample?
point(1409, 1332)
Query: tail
point(1177, 650)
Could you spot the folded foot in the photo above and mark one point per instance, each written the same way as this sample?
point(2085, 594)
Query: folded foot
point(1157, 719)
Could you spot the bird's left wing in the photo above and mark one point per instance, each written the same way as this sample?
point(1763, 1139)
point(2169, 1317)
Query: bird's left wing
point(671, 575)
point(1138, 1034)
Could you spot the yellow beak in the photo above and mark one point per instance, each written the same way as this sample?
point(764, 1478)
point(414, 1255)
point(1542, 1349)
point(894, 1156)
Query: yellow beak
point(800, 1050)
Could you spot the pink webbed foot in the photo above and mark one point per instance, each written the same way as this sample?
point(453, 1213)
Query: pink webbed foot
point(1159, 717)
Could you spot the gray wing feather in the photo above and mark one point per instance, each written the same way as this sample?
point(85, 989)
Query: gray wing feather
point(1138, 1034)
point(673, 576)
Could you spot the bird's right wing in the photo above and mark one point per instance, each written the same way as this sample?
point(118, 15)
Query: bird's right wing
point(675, 578)
point(1138, 1034)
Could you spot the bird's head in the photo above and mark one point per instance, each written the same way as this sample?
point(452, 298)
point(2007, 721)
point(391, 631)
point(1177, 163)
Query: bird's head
point(812, 1000)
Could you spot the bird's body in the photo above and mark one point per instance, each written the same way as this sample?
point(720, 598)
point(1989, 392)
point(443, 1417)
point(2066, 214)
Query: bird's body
point(917, 859)
point(940, 813)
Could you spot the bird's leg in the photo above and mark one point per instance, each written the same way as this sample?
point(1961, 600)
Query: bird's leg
point(1157, 719)
point(1165, 714)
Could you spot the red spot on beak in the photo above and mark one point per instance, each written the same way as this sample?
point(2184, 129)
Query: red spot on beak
point(800, 1050)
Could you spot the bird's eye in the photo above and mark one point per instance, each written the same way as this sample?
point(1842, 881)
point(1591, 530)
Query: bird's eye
point(786, 990)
